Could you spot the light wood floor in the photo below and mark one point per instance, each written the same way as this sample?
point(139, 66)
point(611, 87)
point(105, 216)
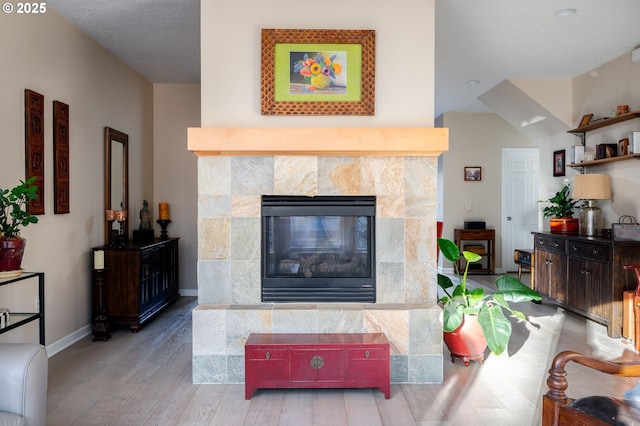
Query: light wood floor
point(145, 379)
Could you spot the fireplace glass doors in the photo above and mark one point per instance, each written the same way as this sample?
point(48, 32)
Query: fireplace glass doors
point(318, 249)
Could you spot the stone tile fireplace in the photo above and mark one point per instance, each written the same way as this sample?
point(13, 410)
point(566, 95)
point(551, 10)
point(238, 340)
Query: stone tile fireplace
point(236, 167)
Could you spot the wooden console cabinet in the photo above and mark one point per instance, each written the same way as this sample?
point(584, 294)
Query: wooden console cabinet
point(586, 274)
point(337, 360)
point(487, 239)
point(139, 281)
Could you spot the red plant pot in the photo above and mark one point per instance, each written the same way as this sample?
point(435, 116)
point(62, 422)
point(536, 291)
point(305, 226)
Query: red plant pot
point(11, 252)
point(564, 225)
point(466, 342)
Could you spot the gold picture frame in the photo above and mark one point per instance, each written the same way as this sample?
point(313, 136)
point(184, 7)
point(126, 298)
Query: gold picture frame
point(585, 120)
point(286, 50)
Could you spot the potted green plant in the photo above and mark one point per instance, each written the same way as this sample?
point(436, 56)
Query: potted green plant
point(482, 313)
point(560, 211)
point(13, 217)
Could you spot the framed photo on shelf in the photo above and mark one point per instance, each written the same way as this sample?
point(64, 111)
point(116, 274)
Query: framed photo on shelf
point(586, 119)
point(317, 72)
point(623, 146)
point(473, 173)
point(559, 162)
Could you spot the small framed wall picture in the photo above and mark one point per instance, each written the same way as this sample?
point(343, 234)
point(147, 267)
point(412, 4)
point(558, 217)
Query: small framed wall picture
point(473, 173)
point(559, 162)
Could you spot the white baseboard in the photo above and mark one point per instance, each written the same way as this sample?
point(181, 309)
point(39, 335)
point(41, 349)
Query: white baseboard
point(68, 340)
point(83, 332)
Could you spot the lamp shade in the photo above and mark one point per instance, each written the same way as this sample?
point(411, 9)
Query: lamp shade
point(591, 187)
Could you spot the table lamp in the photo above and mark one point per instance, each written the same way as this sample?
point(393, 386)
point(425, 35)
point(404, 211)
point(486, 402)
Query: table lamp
point(591, 188)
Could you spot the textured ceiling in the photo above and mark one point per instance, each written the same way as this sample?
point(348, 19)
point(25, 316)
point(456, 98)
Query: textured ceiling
point(485, 40)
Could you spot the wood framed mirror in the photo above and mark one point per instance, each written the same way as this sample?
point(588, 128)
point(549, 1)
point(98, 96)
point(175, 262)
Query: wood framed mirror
point(116, 177)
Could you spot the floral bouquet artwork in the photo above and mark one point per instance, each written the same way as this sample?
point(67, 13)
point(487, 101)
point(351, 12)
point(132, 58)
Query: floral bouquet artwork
point(318, 72)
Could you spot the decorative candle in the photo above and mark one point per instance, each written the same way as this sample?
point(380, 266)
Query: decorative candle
point(111, 215)
point(98, 259)
point(121, 215)
point(164, 211)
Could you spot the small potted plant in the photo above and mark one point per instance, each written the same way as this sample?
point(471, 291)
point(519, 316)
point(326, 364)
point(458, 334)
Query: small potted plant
point(472, 318)
point(13, 217)
point(560, 211)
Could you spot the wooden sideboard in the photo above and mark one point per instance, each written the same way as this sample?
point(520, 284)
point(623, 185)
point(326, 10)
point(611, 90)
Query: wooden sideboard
point(323, 360)
point(586, 274)
point(139, 281)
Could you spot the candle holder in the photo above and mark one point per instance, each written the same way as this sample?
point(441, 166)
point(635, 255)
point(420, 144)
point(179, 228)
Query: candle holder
point(110, 215)
point(100, 324)
point(117, 237)
point(163, 224)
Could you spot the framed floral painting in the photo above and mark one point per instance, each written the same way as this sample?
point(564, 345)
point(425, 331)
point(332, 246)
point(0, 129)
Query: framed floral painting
point(318, 72)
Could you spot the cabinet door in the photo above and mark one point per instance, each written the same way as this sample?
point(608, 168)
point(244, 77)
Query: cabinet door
point(550, 275)
point(590, 289)
point(312, 365)
point(266, 366)
point(149, 277)
point(367, 364)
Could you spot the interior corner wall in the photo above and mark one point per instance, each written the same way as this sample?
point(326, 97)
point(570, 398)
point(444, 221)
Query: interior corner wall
point(476, 139)
point(175, 108)
point(45, 53)
point(599, 92)
point(554, 94)
point(230, 58)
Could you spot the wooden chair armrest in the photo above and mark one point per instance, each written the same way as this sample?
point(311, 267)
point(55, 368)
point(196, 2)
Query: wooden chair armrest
point(557, 381)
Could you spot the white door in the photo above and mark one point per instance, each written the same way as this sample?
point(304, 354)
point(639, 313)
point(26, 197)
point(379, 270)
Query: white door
point(519, 201)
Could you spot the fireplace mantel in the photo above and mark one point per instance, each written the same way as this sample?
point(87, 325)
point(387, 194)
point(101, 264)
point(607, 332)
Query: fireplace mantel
point(318, 141)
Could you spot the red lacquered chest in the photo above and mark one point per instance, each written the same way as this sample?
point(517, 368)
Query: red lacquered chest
point(331, 360)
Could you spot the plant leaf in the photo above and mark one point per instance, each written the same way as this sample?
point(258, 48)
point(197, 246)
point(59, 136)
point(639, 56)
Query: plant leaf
point(519, 315)
point(471, 256)
point(448, 249)
point(451, 317)
point(444, 282)
point(513, 290)
point(496, 327)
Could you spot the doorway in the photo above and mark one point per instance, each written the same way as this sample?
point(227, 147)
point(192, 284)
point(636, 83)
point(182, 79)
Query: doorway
point(520, 176)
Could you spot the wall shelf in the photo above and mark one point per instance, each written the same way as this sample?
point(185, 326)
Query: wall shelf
point(581, 132)
point(605, 160)
point(606, 122)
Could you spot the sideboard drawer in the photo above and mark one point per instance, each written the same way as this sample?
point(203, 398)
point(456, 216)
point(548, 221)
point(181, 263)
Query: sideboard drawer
point(267, 354)
point(367, 353)
point(549, 243)
point(588, 251)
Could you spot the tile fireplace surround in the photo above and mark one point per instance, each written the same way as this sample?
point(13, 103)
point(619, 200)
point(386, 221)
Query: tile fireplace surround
point(237, 166)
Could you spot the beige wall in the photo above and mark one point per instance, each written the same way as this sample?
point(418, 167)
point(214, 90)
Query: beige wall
point(599, 92)
point(231, 59)
point(479, 138)
point(552, 93)
point(48, 55)
point(176, 107)
point(475, 140)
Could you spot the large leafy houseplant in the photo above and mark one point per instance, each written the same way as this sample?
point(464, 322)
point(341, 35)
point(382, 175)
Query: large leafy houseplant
point(13, 209)
point(490, 308)
point(561, 204)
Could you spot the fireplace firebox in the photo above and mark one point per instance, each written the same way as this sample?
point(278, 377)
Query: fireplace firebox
point(318, 249)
